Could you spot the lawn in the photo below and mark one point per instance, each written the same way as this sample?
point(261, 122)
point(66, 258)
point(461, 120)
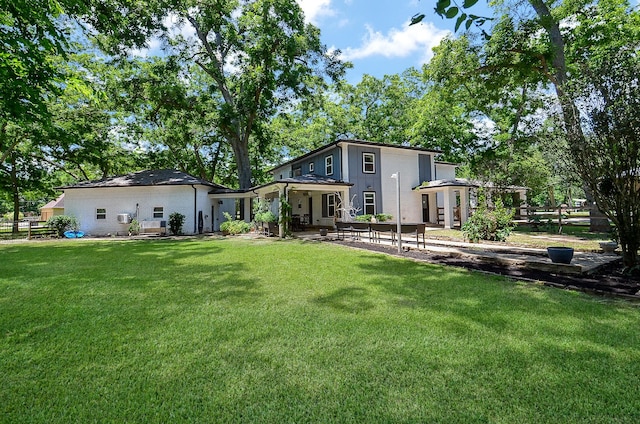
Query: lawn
point(578, 237)
point(268, 331)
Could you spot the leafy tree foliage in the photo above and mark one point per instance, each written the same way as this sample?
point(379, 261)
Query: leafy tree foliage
point(257, 55)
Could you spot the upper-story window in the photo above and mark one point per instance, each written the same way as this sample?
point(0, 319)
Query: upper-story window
point(297, 171)
point(328, 165)
point(369, 163)
point(310, 167)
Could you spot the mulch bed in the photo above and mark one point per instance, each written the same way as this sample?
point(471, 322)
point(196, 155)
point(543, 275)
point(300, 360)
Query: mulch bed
point(608, 280)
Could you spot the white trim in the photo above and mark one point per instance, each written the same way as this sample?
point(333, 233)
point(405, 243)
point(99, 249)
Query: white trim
point(101, 215)
point(311, 165)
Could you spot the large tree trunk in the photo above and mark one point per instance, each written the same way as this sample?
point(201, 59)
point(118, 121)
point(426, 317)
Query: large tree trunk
point(241, 153)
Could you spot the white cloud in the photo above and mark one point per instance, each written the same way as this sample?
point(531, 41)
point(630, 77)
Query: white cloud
point(314, 9)
point(403, 42)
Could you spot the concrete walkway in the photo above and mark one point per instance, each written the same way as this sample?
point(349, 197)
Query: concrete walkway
point(509, 256)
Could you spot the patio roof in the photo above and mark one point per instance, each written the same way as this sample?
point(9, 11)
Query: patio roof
point(306, 180)
point(456, 182)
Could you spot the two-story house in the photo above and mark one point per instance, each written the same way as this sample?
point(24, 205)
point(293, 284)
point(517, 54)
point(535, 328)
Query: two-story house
point(355, 177)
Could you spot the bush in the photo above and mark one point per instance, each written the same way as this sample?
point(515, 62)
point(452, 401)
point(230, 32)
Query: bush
point(234, 226)
point(267, 216)
point(134, 227)
point(176, 221)
point(63, 223)
point(485, 224)
point(380, 217)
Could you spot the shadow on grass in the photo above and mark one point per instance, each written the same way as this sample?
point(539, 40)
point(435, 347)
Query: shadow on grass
point(347, 299)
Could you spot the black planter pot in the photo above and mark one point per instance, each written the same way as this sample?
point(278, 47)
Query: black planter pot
point(560, 255)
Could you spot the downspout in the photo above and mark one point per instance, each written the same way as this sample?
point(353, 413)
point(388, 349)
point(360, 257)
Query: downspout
point(195, 211)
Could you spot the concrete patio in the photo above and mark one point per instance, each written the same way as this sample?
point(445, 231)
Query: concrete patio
point(583, 263)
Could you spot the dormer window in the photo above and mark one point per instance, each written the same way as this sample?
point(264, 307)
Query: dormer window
point(328, 165)
point(369, 163)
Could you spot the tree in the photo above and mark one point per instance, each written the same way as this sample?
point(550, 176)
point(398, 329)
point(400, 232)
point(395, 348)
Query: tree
point(258, 55)
point(565, 55)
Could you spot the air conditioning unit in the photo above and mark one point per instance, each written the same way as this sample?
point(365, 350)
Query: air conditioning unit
point(124, 218)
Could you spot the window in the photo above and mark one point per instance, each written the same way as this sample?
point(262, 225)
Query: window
point(369, 203)
point(101, 213)
point(158, 212)
point(310, 167)
point(297, 171)
point(328, 205)
point(328, 165)
point(369, 163)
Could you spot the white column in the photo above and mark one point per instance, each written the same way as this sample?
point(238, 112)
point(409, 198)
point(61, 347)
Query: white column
point(464, 205)
point(449, 198)
point(433, 208)
point(247, 209)
point(282, 192)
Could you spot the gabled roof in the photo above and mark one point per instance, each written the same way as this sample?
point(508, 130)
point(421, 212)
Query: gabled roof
point(57, 203)
point(155, 177)
point(354, 141)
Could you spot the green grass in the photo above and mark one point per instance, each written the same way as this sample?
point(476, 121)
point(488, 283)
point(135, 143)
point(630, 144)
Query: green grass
point(284, 331)
point(578, 237)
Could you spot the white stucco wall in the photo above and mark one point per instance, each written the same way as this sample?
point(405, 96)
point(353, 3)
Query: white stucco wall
point(405, 162)
point(444, 171)
point(83, 202)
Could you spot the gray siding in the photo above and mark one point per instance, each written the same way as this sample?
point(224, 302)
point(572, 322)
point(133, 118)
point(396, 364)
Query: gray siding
point(318, 164)
point(364, 182)
point(424, 168)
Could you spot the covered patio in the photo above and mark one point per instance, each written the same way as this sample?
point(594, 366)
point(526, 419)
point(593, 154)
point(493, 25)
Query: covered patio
point(315, 200)
point(453, 195)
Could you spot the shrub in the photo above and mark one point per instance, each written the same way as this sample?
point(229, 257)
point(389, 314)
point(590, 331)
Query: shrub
point(267, 216)
point(134, 227)
point(63, 223)
point(380, 217)
point(234, 226)
point(176, 221)
point(488, 224)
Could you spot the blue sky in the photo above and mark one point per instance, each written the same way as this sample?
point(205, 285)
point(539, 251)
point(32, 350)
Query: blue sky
point(375, 34)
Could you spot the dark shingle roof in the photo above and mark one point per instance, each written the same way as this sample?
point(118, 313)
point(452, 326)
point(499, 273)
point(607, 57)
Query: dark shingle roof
point(155, 177)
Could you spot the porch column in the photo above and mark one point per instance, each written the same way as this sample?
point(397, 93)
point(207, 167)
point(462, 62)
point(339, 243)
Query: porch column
point(345, 203)
point(282, 192)
point(449, 195)
point(433, 208)
point(464, 205)
point(247, 209)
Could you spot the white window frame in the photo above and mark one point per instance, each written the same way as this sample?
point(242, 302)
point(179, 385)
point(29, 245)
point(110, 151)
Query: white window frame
point(328, 165)
point(101, 213)
point(371, 195)
point(158, 211)
point(372, 163)
point(331, 205)
point(310, 167)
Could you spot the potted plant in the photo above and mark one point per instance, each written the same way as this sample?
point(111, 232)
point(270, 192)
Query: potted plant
point(560, 254)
